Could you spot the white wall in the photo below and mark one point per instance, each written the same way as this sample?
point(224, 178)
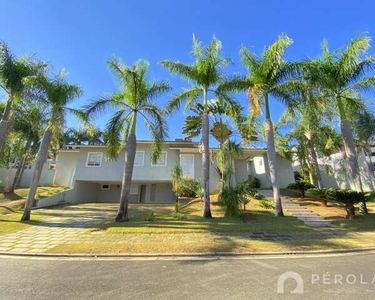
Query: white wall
point(46, 179)
point(65, 168)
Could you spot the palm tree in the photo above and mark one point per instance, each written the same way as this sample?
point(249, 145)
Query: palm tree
point(55, 94)
point(28, 121)
point(344, 74)
point(267, 76)
point(364, 128)
point(206, 73)
point(135, 99)
point(13, 72)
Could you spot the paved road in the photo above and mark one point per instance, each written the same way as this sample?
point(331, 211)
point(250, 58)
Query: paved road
point(187, 279)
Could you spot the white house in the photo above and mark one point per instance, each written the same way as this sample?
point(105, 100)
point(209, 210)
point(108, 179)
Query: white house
point(94, 179)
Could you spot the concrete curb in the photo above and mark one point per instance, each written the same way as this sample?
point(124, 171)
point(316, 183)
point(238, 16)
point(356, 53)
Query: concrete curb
point(188, 255)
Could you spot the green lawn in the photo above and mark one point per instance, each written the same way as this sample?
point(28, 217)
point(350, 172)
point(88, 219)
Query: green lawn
point(11, 205)
point(189, 220)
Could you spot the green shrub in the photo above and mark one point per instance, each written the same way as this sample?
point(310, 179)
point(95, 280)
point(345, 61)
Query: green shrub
point(255, 195)
point(321, 193)
point(188, 187)
point(244, 199)
point(251, 183)
point(229, 198)
point(349, 198)
point(301, 186)
point(267, 204)
point(199, 192)
point(151, 217)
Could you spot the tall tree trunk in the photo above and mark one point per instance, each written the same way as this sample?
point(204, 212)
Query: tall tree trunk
point(20, 166)
point(41, 159)
point(131, 146)
point(272, 163)
point(206, 156)
point(370, 166)
point(351, 154)
point(4, 123)
point(206, 165)
point(316, 164)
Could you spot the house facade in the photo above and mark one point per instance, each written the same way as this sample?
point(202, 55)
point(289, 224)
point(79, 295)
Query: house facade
point(95, 179)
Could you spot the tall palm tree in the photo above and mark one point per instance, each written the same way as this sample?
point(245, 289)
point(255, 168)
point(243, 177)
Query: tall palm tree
point(268, 75)
point(55, 94)
point(206, 75)
point(13, 72)
point(364, 128)
point(345, 74)
point(29, 119)
point(135, 99)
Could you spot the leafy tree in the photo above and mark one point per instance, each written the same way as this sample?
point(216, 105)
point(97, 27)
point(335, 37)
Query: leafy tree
point(55, 94)
point(135, 99)
point(344, 75)
point(268, 75)
point(13, 72)
point(206, 75)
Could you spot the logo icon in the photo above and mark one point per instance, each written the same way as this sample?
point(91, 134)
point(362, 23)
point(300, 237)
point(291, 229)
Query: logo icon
point(285, 276)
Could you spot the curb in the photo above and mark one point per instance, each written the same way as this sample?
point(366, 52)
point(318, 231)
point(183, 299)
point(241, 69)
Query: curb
point(188, 255)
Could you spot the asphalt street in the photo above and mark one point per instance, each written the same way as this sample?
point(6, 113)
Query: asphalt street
point(325, 277)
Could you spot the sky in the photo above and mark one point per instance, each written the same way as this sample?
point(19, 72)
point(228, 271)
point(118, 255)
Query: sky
point(81, 36)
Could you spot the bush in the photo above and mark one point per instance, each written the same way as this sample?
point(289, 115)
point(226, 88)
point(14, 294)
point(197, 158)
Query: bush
point(267, 204)
point(321, 193)
point(244, 199)
point(199, 192)
point(255, 195)
point(301, 186)
point(251, 183)
point(151, 217)
point(188, 187)
point(349, 198)
point(229, 198)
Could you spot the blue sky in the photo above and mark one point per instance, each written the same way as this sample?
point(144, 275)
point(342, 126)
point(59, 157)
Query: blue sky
point(80, 36)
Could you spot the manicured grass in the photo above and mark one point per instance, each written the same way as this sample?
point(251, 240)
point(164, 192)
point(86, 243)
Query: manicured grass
point(189, 220)
point(12, 203)
point(204, 243)
point(21, 193)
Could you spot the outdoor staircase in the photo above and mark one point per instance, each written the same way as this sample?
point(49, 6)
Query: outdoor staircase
point(308, 217)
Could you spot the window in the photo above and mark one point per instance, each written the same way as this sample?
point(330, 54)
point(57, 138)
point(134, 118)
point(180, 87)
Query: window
point(94, 159)
point(187, 165)
point(105, 187)
point(139, 158)
point(162, 161)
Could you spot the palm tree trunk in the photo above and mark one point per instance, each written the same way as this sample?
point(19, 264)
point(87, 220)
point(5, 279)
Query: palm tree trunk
point(316, 164)
point(370, 166)
point(206, 165)
point(272, 163)
point(20, 166)
point(131, 146)
point(351, 154)
point(41, 159)
point(4, 123)
point(206, 158)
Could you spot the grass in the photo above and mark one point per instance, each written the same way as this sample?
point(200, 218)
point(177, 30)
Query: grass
point(204, 244)
point(336, 212)
point(189, 220)
point(12, 203)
